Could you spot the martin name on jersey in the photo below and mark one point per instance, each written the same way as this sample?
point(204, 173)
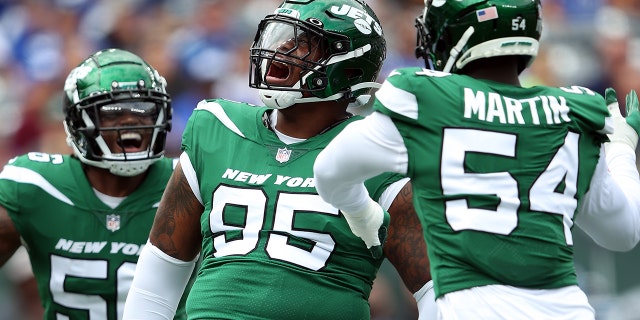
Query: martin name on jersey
point(490, 106)
point(500, 167)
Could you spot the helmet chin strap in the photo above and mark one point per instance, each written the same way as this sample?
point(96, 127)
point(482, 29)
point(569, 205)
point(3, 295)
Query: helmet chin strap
point(455, 51)
point(276, 99)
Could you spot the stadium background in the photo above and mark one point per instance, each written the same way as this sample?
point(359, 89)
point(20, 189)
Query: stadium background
point(201, 47)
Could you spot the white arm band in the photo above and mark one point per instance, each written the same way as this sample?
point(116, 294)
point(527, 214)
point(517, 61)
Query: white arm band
point(157, 287)
point(426, 300)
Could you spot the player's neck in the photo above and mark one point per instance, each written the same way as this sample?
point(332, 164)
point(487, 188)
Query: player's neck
point(306, 121)
point(497, 69)
point(110, 184)
point(501, 78)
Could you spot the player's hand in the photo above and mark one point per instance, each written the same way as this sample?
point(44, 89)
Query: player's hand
point(625, 130)
point(368, 226)
point(633, 114)
point(377, 251)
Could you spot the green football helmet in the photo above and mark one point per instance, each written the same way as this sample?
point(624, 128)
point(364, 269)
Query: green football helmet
point(110, 84)
point(309, 51)
point(453, 33)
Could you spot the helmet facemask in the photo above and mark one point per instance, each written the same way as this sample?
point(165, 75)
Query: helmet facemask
point(314, 52)
point(122, 129)
point(288, 56)
point(424, 39)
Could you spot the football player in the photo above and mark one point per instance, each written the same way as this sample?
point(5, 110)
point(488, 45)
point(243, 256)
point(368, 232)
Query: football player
point(501, 173)
point(243, 196)
point(84, 218)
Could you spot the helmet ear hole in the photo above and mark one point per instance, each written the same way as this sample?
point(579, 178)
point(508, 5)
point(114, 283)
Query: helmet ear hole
point(353, 73)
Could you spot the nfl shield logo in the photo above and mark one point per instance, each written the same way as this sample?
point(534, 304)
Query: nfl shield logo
point(283, 155)
point(113, 222)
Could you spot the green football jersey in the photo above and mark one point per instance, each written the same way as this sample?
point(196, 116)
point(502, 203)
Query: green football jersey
point(498, 172)
point(83, 253)
point(272, 248)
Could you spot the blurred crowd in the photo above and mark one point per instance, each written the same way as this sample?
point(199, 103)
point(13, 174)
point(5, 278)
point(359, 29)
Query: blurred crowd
point(201, 47)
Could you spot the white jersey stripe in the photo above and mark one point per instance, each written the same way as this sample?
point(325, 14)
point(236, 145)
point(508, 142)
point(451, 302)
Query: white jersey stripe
point(217, 111)
point(24, 175)
point(190, 174)
point(398, 100)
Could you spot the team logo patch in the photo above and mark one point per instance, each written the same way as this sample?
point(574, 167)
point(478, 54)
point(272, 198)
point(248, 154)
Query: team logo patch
point(283, 155)
point(364, 22)
point(113, 222)
point(288, 12)
point(363, 26)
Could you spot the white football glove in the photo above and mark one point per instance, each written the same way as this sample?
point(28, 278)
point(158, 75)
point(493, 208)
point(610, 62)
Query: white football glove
point(366, 224)
point(625, 129)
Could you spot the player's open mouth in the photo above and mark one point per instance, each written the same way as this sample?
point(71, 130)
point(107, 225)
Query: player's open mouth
point(130, 141)
point(278, 73)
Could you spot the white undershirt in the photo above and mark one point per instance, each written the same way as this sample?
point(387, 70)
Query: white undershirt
point(273, 118)
point(110, 201)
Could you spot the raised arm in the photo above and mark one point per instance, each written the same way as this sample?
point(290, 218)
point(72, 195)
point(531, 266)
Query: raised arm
point(339, 172)
point(610, 211)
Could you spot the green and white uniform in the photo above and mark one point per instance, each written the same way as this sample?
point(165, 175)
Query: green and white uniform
point(272, 248)
point(498, 172)
point(83, 253)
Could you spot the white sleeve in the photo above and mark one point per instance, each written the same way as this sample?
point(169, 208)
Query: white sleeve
point(426, 300)
point(390, 193)
point(610, 211)
point(362, 150)
point(158, 284)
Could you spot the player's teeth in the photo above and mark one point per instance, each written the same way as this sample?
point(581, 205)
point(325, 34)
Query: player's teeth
point(132, 135)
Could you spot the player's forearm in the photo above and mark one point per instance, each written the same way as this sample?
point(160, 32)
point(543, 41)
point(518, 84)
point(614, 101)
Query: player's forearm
point(621, 161)
point(157, 287)
point(338, 180)
point(610, 211)
point(347, 194)
point(355, 155)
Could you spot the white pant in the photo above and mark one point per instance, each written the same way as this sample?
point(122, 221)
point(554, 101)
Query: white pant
point(506, 302)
